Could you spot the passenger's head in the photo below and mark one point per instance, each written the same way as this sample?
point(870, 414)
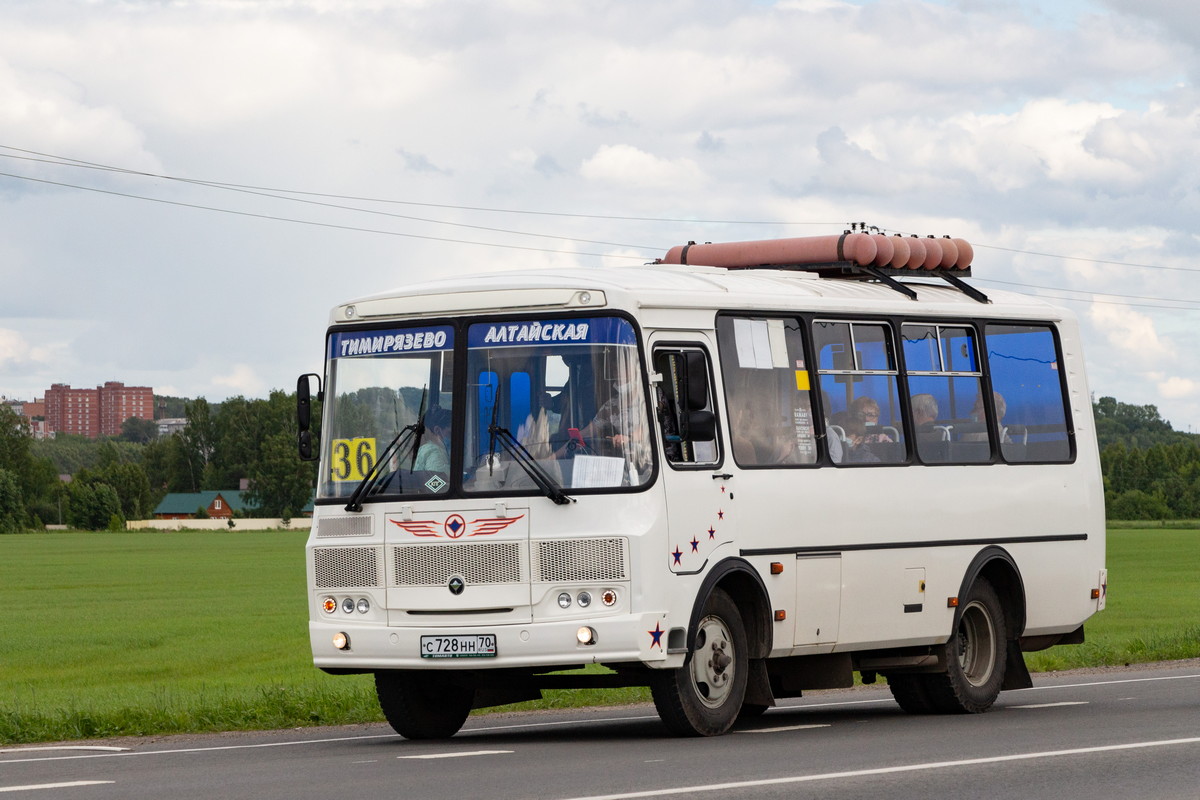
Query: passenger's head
point(437, 419)
point(1001, 407)
point(865, 410)
point(924, 409)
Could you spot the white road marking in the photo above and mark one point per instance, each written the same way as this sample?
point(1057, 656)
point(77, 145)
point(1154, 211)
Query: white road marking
point(460, 754)
point(1054, 705)
point(781, 730)
point(35, 787)
point(1110, 683)
point(96, 747)
point(828, 776)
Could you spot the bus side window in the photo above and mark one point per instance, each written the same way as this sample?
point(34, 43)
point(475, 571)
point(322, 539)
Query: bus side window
point(684, 406)
point(1027, 400)
point(944, 380)
point(767, 391)
point(859, 381)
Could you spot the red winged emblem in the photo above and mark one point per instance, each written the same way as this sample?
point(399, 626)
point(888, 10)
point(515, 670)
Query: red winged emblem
point(454, 525)
point(425, 528)
point(486, 527)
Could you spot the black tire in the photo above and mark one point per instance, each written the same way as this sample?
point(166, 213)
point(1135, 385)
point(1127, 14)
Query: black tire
point(752, 711)
point(421, 705)
point(976, 656)
point(704, 697)
point(910, 694)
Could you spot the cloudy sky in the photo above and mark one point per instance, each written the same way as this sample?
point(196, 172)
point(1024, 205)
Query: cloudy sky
point(189, 185)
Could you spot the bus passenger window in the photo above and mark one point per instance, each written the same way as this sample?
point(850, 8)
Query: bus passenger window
point(944, 382)
point(857, 367)
point(684, 407)
point(767, 391)
point(1028, 403)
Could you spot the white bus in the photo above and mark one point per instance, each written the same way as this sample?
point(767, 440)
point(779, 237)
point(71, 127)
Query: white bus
point(740, 472)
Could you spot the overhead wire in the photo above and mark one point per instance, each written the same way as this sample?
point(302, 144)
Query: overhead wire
point(301, 197)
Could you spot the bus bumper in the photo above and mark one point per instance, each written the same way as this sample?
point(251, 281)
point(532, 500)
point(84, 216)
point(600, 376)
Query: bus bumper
point(620, 639)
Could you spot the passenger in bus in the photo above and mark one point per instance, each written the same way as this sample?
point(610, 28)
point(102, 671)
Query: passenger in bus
point(925, 413)
point(432, 455)
point(865, 411)
point(619, 427)
point(979, 414)
point(860, 451)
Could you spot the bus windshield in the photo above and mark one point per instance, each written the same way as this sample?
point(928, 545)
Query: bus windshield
point(567, 394)
point(381, 384)
point(544, 406)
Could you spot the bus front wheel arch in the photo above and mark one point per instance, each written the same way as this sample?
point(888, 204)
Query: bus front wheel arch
point(704, 696)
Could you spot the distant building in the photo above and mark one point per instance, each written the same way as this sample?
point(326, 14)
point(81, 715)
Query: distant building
point(183, 505)
point(96, 412)
point(170, 425)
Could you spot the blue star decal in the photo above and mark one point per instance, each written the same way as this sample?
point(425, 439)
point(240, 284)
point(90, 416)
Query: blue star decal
point(695, 545)
point(712, 533)
point(720, 515)
point(656, 636)
point(678, 555)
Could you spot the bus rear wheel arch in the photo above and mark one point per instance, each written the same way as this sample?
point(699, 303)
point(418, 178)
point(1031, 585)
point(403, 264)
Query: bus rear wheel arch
point(976, 657)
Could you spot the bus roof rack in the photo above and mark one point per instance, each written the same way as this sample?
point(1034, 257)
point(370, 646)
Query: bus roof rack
point(851, 255)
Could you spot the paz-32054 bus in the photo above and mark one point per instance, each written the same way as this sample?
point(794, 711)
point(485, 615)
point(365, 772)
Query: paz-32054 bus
point(739, 472)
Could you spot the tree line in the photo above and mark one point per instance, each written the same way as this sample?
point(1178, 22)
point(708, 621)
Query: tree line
point(122, 478)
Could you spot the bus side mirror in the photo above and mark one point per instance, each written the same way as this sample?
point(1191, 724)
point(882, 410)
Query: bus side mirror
point(697, 381)
point(304, 414)
point(702, 426)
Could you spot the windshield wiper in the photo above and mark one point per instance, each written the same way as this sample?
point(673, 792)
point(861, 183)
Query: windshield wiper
point(532, 468)
point(397, 445)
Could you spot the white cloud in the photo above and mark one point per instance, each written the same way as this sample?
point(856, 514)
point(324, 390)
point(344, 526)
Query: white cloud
point(242, 379)
point(627, 166)
point(1131, 333)
point(1177, 387)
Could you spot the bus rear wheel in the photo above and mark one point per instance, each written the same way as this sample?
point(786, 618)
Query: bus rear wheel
point(703, 697)
point(422, 706)
point(975, 655)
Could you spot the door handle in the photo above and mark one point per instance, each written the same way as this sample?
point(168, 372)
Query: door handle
point(722, 476)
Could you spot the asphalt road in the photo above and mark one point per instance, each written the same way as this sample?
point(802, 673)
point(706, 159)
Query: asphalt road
point(1103, 734)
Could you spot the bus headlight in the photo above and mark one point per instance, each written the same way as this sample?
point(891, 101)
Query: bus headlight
point(585, 599)
point(364, 605)
point(564, 600)
point(341, 641)
point(586, 635)
point(348, 605)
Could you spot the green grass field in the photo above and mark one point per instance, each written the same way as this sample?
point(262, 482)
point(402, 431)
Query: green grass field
point(144, 633)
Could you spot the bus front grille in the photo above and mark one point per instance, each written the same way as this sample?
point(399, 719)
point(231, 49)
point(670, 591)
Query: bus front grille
point(346, 567)
point(477, 563)
point(575, 560)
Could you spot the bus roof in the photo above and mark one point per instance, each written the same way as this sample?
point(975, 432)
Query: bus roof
point(664, 286)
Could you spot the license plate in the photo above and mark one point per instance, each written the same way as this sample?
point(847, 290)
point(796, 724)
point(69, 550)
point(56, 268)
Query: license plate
point(478, 645)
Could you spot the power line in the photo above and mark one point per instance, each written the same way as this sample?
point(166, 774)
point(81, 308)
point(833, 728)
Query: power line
point(315, 223)
point(280, 194)
point(48, 158)
point(1087, 292)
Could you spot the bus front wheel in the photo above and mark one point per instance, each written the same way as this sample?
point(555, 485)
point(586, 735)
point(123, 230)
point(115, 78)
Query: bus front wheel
point(703, 697)
point(423, 706)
